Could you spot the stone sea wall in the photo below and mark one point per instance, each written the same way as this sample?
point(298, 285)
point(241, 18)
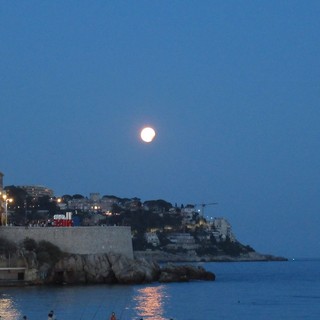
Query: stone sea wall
point(77, 240)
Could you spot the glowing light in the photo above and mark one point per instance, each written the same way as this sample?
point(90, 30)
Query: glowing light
point(147, 134)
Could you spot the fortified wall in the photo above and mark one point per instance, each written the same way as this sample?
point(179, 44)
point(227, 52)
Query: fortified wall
point(78, 240)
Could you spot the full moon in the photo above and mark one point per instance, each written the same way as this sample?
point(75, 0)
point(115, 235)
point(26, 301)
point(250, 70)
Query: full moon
point(147, 134)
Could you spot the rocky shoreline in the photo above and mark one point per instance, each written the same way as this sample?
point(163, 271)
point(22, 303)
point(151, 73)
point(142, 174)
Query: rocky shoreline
point(111, 268)
point(162, 257)
point(114, 268)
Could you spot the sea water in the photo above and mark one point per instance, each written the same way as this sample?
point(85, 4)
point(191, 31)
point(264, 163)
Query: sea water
point(242, 290)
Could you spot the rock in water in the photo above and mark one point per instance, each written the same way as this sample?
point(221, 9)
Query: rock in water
point(116, 268)
point(182, 273)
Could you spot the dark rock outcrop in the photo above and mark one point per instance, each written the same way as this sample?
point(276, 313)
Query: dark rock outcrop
point(182, 273)
point(128, 271)
point(82, 269)
point(116, 268)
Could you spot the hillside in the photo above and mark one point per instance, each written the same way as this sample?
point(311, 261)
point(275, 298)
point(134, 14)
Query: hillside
point(159, 229)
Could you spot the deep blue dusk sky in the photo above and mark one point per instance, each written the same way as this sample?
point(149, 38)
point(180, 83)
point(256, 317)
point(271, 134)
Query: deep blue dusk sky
point(231, 87)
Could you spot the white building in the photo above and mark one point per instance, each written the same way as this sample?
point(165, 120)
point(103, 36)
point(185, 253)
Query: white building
point(182, 240)
point(37, 191)
point(79, 204)
point(152, 238)
point(222, 229)
point(188, 213)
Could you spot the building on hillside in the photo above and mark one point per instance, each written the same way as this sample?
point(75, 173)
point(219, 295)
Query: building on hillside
point(79, 204)
point(107, 203)
point(188, 213)
point(182, 240)
point(37, 191)
point(152, 238)
point(174, 210)
point(95, 202)
point(133, 204)
point(222, 229)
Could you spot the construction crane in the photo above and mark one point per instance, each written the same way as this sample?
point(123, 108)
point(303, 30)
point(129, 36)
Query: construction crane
point(203, 205)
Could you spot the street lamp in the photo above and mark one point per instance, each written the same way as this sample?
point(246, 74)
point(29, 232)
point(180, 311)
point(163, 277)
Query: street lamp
point(5, 200)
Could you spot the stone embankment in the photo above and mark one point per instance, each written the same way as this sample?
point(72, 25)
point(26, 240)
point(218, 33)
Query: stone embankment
point(114, 268)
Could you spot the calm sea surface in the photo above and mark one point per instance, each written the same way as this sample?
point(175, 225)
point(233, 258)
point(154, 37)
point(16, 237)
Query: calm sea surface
point(254, 290)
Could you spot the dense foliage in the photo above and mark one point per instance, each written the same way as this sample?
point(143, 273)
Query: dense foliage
point(7, 247)
point(46, 251)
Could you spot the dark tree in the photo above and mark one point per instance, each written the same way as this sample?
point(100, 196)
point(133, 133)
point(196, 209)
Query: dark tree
point(78, 196)
point(160, 204)
point(18, 207)
point(7, 247)
point(29, 244)
point(66, 197)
